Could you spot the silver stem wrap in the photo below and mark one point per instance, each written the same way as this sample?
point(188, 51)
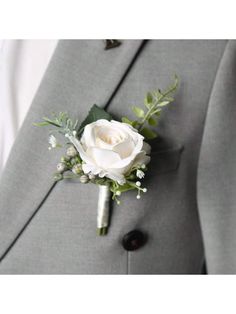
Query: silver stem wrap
point(103, 206)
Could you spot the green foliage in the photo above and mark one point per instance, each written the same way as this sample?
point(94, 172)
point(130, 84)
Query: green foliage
point(152, 121)
point(164, 103)
point(134, 123)
point(139, 112)
point(41, 123)
point(95, 113)
point(148, 133)
point(154, 102)
point(126, 120)
point(62, 122)
point(148, 100)
point(125, 187)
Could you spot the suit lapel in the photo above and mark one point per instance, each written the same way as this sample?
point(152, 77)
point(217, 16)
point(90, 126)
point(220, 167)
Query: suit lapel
point(80, 74)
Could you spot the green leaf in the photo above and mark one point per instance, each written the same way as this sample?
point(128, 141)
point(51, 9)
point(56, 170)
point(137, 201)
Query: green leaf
point(95, 113)
point(126, 120)
point(100, 181)
point(169, 98)
point(52, 122)
point(138, 112)
point(176, 81)
point(152, 121)
point(163, 103)
point(125, 187)
point(135, 124)
point(157, 112)
point(41, 124)
point(148, 133)
point(148, 100)
point(158, 93)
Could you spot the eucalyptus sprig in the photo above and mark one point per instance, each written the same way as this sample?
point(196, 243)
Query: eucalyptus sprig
point(62, 121)
point(154, 103)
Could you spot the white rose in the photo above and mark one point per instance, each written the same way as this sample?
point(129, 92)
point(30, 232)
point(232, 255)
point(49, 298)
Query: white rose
point(110, 149)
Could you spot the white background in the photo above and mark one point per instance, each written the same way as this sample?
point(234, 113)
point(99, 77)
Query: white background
point(117, 294)
point(117, 19)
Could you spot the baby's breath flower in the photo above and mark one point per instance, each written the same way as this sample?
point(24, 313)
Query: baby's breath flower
point(77, 168)
point(84, 178)
point(140, 174)
point(52, 141)
point(61, 167)
point(138, 183)
point(71, 151)
point(65, 159)
point(91, 176)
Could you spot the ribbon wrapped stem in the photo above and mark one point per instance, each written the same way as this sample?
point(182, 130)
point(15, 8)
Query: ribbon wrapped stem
point(103, 209)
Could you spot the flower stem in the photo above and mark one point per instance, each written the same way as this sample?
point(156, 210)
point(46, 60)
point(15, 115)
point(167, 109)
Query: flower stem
point(102, 231)
point(103, 209)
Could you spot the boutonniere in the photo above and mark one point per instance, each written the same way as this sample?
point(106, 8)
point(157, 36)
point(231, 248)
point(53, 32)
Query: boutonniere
point(111, 154)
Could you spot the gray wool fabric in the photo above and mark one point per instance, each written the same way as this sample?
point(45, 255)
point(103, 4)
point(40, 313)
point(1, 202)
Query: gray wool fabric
point(189, 211)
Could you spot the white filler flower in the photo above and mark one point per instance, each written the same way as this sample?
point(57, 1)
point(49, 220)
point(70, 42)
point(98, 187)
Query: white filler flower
point(140, 174)
point(52, 141)
point(111, 149)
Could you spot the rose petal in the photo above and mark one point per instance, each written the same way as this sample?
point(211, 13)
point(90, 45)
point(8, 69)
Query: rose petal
point(80, 149)
point(141, 159)
point(147, 148)
point(91, 168)
point(124, 149)
point(88, 137)
point(116, 176)
point(103, 158)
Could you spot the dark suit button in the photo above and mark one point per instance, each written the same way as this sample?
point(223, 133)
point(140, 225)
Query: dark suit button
point(133, 240)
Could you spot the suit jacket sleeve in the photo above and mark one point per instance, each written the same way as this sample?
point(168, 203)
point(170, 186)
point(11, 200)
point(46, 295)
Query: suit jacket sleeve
point(217, 170)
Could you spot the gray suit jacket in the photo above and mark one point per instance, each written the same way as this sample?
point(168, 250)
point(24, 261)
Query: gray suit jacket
point(189, 212)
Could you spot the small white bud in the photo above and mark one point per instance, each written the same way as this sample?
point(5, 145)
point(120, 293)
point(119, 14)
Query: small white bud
point(52, 141)
point(118, 193)
point(74, 133)
point(144, 190)
point(84, 178)
point(118, 202)
point(58, 177)
point(91, 176)
point(71, 151)
point(143, 166)
point(138, 183)
point(138, 196)
point(140, 174)
point(61, 167)
point(65, 158)
point(66, 135)
point(77, 168)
